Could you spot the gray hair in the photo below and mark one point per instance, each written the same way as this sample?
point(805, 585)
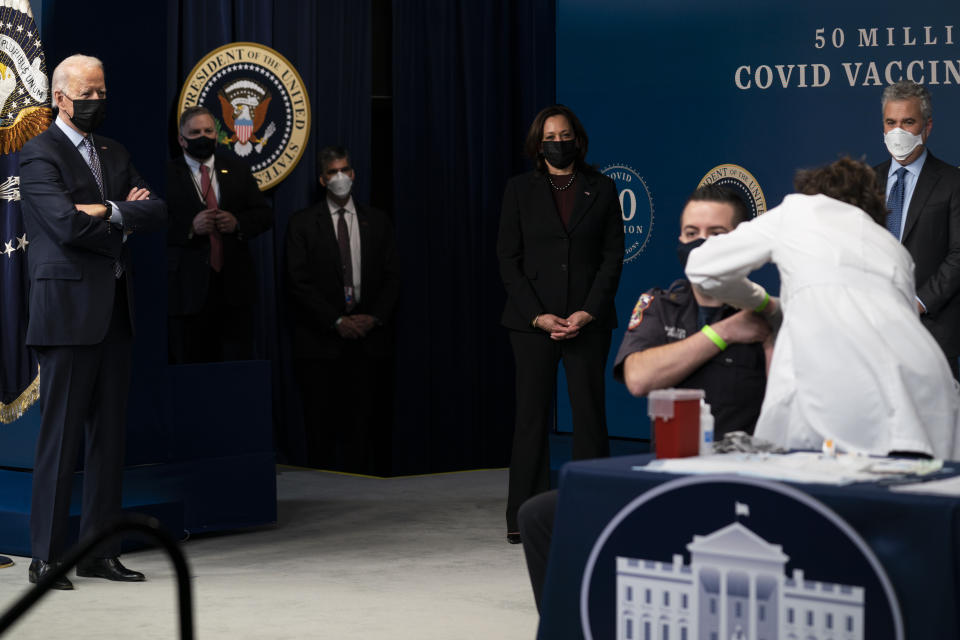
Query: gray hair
point(907, 90)
point(61, 75)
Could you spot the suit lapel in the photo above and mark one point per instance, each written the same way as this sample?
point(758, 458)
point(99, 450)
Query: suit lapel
point(224, 177)
point(363, 224)
point(882, 172)
point(72, 155)
point(328, 237)
point(586, 196)
point(187, 183)
point(926, 181)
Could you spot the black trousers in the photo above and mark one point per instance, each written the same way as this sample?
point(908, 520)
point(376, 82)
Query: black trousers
point(83, 397)
point(537, 359)
point(347, 404)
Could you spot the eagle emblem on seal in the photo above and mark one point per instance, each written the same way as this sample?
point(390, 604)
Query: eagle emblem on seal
point(243, 105)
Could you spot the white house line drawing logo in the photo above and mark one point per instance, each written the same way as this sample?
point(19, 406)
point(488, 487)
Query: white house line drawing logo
point(735, 587)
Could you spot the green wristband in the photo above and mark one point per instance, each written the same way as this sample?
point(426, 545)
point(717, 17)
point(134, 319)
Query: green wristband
point(763, 305)
point(714, 337)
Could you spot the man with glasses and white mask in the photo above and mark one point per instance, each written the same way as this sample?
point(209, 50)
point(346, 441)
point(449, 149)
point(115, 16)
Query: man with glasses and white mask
point(215, 208)
point(923, 197)
point(343, 286)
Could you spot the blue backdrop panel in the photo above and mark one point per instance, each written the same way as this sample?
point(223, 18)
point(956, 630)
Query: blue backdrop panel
point(676, 89)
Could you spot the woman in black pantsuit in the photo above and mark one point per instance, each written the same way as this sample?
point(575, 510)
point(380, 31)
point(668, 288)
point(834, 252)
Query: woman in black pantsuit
point(560, 249)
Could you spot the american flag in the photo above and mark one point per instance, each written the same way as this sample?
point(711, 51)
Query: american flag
point(26, 112)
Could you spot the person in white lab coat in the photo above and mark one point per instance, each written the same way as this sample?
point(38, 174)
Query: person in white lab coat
point(852, 361)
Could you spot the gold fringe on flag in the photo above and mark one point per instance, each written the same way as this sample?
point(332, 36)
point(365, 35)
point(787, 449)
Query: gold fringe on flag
point(12, 411)
point(29, 122)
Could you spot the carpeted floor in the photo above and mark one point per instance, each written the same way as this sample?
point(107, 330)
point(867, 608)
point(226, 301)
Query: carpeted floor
point(351, 557)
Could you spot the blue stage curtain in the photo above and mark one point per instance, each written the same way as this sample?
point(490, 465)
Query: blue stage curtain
point(329, 43)
point(468, 79)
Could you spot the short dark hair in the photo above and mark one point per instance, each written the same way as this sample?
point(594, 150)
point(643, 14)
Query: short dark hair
point(328, 154)
point(191, 112)
point(846, 180)
point(535, 135)
point(723, 195)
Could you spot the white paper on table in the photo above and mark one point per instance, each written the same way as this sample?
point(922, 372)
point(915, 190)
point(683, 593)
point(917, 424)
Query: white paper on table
point(945, 487)
point(800, 466)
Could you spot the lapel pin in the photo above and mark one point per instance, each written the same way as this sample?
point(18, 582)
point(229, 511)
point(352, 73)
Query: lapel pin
point(586, 193)
point(224, 171)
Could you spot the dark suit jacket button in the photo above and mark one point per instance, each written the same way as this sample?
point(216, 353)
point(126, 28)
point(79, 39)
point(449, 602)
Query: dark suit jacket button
point(563, 267)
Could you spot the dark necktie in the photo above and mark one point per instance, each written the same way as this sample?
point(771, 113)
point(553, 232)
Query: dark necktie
point(346, 260)
point(93, 161)
point(210, 198)
point(895, 203)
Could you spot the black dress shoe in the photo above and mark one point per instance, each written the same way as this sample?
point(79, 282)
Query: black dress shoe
point(40, 568)
point(5, 562)
point(109, 568)
point(513, 538)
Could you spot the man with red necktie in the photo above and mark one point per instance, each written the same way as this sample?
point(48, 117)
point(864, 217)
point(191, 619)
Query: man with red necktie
point(215, 208)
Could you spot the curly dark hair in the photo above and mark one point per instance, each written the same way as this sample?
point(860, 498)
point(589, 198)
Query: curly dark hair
point(535, 135)
point(846, 180)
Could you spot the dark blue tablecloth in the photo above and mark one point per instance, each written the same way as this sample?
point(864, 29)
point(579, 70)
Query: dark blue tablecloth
point(914, 536)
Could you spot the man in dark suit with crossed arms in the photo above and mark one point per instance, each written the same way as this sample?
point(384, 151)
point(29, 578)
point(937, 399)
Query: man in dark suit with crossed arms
point(81, 198)
point(215, 208)
point(343, 286)
point(923, 196)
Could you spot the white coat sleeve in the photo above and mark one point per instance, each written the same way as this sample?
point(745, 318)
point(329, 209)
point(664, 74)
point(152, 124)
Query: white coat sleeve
point(720, 266)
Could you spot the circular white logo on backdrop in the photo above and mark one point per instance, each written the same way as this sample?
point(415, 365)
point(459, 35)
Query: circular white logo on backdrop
point(637, 206)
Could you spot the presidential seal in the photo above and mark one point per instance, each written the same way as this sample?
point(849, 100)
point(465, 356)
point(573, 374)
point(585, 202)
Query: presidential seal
point(260, 107)
point(636, 204)
point(735, 177)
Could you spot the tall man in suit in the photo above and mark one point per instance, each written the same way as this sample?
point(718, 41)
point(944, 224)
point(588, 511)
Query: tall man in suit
point(343, 286)
point(215, 208)
point(81, 198)
point(923, 196)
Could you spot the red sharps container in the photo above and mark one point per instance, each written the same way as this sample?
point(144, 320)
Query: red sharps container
point(676, 421)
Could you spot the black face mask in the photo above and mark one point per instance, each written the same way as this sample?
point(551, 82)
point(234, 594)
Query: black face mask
point(560, 153)
point(201, 147)
point(684, 249)
point(88, 114)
